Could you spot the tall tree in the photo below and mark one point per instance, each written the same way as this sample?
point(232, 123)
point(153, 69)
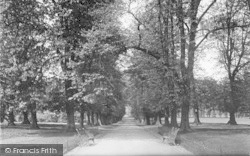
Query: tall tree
point(71, 19)
point(24, 43)
point(234, 47)
point(186, 17)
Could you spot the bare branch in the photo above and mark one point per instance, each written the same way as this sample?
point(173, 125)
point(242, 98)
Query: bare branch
point(139, 32)
point(217, 29)
point(146, 51)
point(241, 54)
point(203, 14)
point(244, 65)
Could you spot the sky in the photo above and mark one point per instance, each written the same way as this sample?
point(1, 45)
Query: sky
point(207, 64)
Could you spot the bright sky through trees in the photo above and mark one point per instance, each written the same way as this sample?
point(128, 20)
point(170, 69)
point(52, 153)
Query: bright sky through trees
point(207, 64)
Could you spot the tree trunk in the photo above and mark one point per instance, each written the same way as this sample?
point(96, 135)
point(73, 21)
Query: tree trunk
point(185, 115)
point(147, 119)
point(105, 120)
point(82, 119)
point(142, 119)
point(89, 120)
point(157, 119)
point(96, 119)
point(102, 119)
point(2, 109)
point(196, 116)
point(160, 119)
point(11, 117)
point(70, 117)
point(93, 118)
point(139, 118)
point(234, 101)
point(232, 120)
point(187, 72)
point(166, 116)
point(25, 117)
point(34, 124)
point(70, 107)
point(99, 119)
point(69, 92)
point(185, 103)
point(174, 116)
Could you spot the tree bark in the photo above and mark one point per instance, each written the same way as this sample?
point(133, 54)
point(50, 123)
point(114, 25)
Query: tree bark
point(3, 108)
point(174, 116)
point(196, 116)
point(70, 107)
point(11, 117)
point(234, 101)
point(89, 120)
point(196, 111)
point(99, 119)
point(157, 118)
point(69, 104)
point(166, 116)
point(160, 116)
point(93, 118)
point(232, 120)
point(147, 119)
point(185, 126)
point(25, 117)
point(96, 119)
point(184, 72)
point(102, 119)
point(187, 72)
point(82, 119)
point(34, 124)
point(70, 118)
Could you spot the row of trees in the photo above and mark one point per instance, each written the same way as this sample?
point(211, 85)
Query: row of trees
point(211, 98)
point(61, 55)
point(169, 35)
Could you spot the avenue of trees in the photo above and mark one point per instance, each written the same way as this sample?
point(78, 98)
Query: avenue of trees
point(66, 56)
point(168, 37)
point(61, 56)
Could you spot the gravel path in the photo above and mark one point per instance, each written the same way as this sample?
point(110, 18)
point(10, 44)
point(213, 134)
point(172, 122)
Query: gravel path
point(126, 138)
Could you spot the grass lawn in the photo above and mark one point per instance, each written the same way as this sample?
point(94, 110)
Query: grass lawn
point(47, 134)
point(215, 137)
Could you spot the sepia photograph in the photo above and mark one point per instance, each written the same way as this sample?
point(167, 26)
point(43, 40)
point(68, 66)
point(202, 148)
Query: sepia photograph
point(124, 77)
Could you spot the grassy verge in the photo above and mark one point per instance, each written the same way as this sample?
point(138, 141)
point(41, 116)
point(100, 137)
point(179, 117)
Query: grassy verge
point(213, 137)
point(47, 134)
point(217, 139)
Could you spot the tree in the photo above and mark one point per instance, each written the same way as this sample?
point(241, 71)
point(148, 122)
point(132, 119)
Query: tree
point(24, 46)
point(168, 41)
point(71, 18)
point(209, 95)
point(245, 108)
point(234, 46)
point(91, 75)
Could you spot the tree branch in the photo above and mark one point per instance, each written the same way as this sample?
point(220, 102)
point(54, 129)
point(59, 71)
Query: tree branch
point(217, 29)
point(146, 51)
point(200, 18)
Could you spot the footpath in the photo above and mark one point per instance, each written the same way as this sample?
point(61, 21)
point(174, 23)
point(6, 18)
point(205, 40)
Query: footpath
point(127, 138)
